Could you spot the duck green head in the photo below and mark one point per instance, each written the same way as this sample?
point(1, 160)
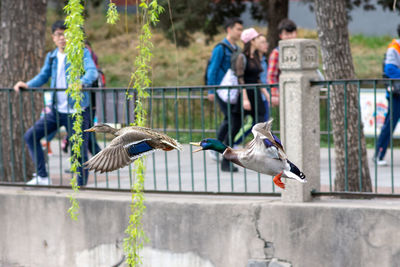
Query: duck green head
point(210, 144)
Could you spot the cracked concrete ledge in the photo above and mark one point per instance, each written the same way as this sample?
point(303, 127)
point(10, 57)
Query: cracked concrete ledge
point(197, 231)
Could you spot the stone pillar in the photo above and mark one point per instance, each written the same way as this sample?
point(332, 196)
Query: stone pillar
point(299, 114)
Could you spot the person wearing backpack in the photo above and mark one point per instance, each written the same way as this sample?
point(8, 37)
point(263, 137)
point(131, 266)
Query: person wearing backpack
point(391, 70)
point(219, 64)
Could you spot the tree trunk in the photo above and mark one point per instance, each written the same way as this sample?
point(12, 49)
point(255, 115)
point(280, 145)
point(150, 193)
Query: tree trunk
point(22, 31)
point(277, 10)
point(333, 34)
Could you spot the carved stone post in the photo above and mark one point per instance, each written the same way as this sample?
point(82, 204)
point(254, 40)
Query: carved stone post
point(299, 114)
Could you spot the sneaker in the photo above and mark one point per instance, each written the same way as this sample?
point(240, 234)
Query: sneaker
point(214, 155)
point(379, 162)
point(38, 180)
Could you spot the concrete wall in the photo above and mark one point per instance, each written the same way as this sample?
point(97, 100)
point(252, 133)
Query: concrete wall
point(194, 231)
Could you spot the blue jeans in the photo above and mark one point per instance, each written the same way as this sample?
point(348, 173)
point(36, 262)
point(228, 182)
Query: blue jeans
point(49, 123)
point(384, 136)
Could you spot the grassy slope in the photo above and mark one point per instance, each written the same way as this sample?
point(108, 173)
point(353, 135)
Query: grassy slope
point(116, 49)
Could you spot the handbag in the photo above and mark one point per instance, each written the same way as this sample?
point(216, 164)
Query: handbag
point(229, 95)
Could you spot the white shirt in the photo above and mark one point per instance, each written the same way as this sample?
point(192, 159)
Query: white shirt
point(62, 97)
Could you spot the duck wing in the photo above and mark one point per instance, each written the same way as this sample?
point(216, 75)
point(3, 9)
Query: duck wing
point(122, 151)
point(131, 143)
point(158, 140)
point(262, 133)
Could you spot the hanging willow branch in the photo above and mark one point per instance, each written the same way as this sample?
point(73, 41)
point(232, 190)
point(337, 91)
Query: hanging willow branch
point(140, 79)
point(74, 53)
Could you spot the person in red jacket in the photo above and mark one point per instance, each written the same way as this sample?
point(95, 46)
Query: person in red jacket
point(287, 29)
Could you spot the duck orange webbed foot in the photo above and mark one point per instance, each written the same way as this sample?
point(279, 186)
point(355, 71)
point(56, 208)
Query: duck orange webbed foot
point(278, 182)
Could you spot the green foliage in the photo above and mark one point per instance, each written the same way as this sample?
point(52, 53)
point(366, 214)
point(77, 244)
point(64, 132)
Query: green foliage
point(135, 239)
point(112, 13)
point(371, 42)
point(74, 53)
point(189, 16)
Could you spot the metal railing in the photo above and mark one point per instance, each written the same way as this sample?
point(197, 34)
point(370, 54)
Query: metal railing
point(185, 114)
point(372, 95)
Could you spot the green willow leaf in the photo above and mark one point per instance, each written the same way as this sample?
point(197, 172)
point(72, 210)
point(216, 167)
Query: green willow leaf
point(140, 79)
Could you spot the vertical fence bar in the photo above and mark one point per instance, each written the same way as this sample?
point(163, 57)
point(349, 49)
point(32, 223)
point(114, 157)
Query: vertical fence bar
point(128, 123)
point(45, 133)
point(202, 136)
point(103, 110)
point(54, 105)
point(359, 139)
point(190, 137)
point(346, 181)
point(116, 103)
point(242, 127)
point(22, 139)
point(375, 133)
point(178, 153)
point(93, 134)
point(11, 136)
point(256, 120)
point(1, 152)
point(34, 130)
point(216, 134)
point(153, 156)
point(329, 135)
point(270, 116)
point(391, 134)
point(164, 109)
point(230, 138)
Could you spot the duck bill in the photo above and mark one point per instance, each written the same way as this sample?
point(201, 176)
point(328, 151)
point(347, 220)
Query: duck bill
point(89, 130)
point(197, 144)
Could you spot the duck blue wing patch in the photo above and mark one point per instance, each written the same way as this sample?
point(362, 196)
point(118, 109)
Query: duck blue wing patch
point(277, 140)
point(267, 143)
point(139, 148)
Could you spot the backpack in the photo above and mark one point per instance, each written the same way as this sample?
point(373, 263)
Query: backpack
point(100, 82)
point(234, 56)
point(395, 85)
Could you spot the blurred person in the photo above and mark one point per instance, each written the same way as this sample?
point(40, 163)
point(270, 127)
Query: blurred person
point(248, 70)
point(287, 29)
point(55, 67)
point(100, 82)
point(219, 64)
point(391, 70)
point(262, 47)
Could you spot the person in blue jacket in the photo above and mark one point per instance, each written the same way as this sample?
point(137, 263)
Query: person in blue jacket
point(219, 64)
point(391, 70)
point(56, 67)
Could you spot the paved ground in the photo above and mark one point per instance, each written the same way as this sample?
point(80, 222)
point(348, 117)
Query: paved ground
point(198, 172)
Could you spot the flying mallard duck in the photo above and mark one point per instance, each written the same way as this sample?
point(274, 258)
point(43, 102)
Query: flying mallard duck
point(263, 154)
point(129, 144)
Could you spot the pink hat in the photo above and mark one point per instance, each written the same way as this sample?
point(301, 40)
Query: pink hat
point(248, 35)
